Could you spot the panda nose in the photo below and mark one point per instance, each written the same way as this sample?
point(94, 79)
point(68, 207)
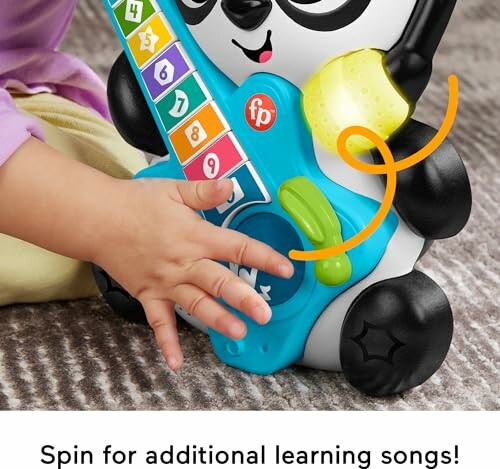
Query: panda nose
point(247, 14)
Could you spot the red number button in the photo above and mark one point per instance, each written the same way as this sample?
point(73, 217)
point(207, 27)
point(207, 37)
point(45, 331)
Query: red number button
point(218, 160)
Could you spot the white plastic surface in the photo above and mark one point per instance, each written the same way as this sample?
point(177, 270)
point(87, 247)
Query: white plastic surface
point(297, 51)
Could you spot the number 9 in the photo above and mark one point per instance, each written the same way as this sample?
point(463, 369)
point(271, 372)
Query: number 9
point(211, 165)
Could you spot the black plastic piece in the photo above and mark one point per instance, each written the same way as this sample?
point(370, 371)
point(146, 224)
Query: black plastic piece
point(337, 18)
point(197, 14)
point(434, 197)
point(410, 60)
point(117, 297)
point(426, 248)
point(396, 335)
point(247, 14)
point(129, 110)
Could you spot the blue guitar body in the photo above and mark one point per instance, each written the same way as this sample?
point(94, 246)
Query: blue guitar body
point(276, 155)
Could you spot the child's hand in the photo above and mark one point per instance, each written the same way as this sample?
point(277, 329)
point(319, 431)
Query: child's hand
point(144, 233)
point(162, 252)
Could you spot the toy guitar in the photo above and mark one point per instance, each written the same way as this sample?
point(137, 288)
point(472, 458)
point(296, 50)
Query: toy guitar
point(222, 110)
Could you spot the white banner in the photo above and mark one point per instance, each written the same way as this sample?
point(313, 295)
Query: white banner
point(134, 440)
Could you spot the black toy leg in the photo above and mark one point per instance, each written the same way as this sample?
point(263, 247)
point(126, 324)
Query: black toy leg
point(433, 198)
point(117, 297)
point(426, 248)
point(129, 110)
point(396, 335)
point(135, 123)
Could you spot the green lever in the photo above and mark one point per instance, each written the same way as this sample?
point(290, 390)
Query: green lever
point(316, 217)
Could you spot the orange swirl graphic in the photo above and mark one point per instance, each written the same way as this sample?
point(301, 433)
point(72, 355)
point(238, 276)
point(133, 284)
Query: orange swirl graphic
point(390, 168)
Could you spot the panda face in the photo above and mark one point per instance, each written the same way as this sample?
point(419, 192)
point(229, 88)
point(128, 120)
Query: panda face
point(291, 38)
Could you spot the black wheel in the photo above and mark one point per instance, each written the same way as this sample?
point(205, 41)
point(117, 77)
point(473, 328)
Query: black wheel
point(118, 298)
point(396, 335)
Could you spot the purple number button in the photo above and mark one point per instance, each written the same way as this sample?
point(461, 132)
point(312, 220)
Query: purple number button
point(166, 71)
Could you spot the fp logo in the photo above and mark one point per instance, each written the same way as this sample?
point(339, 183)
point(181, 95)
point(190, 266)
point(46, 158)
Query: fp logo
point(261, 112)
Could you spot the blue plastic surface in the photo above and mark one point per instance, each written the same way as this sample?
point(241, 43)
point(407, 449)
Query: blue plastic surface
point(278, 154)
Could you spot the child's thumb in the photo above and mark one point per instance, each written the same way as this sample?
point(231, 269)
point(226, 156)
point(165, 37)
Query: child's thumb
point(204, 195)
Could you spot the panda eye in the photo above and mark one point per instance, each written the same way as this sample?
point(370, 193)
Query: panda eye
point(324, 15)
point(194, 3)
point(195, 11)
point(318, 6)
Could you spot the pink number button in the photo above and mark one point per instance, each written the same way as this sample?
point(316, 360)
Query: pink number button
point(216, 161)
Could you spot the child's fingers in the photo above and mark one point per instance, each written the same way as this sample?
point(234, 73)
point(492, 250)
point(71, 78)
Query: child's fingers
point(204, 195)
point(231, 246)
point(220, 282)
point(161, 318)
point(211, 313)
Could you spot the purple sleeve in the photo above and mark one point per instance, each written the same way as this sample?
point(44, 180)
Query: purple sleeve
point(15, 127)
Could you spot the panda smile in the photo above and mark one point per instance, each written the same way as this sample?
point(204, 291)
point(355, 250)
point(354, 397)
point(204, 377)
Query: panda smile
point(262, 55)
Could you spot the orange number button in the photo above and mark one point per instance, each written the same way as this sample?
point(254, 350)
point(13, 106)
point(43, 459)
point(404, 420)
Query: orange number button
point(197, 132)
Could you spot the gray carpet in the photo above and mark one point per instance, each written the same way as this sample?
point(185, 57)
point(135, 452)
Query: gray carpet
point(79, 356)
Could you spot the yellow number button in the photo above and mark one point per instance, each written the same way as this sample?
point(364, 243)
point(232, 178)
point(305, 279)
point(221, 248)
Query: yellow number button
point(150, 39)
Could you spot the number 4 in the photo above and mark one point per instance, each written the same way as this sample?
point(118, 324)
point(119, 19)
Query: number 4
point(133, 11)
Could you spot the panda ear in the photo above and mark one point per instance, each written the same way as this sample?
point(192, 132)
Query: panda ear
point(410, 60)
point(194, 15)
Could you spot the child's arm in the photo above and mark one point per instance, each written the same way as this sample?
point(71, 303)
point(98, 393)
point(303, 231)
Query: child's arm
point(144, 233)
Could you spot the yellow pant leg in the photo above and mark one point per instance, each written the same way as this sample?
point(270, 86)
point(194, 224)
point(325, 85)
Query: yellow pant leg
point(29, 274)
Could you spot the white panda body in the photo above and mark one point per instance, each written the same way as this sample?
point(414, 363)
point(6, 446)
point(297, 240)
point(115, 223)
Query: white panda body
point(296, 53)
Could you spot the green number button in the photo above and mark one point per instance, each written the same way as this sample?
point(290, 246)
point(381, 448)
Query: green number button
point(132, 13)
point(182, 101)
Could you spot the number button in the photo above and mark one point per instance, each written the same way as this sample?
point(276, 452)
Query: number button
point(215, 162)
point(132, 13)
point(149, 40)
point(236, 197)
point(180, 102)
point(248, 190)
point(166, 71)
point(181, 105)
point(211, 166)
point(196, 134)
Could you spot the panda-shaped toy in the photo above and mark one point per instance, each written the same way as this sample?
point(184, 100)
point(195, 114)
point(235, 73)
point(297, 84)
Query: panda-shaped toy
point(257, 91)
